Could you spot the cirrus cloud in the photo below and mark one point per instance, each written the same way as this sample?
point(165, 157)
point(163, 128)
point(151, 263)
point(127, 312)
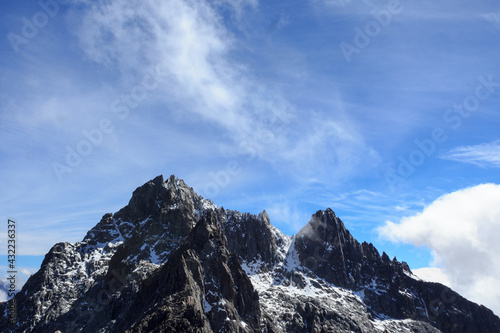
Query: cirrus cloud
point(483, 155)
point(189, 44)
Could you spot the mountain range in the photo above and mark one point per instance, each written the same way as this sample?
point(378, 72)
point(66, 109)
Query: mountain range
point(172, 261)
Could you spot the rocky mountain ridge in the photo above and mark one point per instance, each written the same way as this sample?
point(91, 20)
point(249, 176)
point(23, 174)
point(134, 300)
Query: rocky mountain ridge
point(171, 261)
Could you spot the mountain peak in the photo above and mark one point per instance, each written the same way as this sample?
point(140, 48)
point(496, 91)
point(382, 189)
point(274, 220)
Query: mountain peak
point(171, 260)
point(325, 227)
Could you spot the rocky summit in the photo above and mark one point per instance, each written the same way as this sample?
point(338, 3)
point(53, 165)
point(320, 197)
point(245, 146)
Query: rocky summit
point(172, 261)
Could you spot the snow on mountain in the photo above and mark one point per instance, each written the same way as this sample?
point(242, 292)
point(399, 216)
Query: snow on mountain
point(173, 261)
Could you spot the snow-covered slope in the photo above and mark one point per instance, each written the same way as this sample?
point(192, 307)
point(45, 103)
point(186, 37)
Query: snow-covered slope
point(290, 289)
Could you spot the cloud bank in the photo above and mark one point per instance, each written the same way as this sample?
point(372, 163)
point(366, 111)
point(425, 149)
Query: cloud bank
point(461, 229)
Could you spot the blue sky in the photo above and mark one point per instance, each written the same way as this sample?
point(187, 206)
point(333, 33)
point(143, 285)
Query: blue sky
point(381, 110)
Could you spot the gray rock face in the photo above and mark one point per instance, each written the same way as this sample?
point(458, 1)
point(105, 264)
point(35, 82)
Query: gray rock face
point(251, 237)
point(171, 261)
point(201, 288)
point(388, 288)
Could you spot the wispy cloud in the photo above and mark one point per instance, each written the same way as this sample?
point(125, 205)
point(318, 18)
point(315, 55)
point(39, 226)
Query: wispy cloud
point(210, 107)
point(483, 155)
point(284, 213)
point(366, 208)
point(192, 49)
point(493, 17)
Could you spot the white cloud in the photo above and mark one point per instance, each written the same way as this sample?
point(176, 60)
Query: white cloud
point(433, 274)
point(192, 48)
point(461, 229)
point(185, 41)
point(483, 155)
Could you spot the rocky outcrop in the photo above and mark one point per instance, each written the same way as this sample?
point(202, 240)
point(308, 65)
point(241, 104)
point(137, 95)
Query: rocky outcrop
point(201, 288)
point(171, 261)
point(252, 237)
point(327, 248)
